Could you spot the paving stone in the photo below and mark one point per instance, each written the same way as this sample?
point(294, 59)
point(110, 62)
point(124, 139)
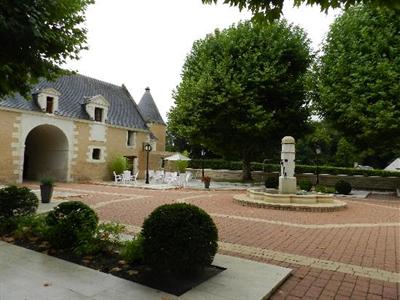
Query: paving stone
point(357, 245)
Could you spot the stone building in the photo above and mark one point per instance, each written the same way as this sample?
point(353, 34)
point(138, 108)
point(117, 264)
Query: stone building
point(72, 128)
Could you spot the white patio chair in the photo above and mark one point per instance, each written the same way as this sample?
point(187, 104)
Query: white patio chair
point(117, 178)
point(135, 176)
point(180, 179)
point(151, 175)
point(173, 179)
point(188, 177)
point(159, 176)
point(167, 177)
point(127, 177)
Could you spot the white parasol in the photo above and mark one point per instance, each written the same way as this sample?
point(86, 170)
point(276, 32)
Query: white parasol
point(177, 157)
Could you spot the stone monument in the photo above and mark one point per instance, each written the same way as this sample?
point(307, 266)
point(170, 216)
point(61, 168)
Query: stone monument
point(287, 181)
point(287, 196)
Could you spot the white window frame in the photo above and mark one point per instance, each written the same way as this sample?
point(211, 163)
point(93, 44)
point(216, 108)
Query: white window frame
point(102, 154)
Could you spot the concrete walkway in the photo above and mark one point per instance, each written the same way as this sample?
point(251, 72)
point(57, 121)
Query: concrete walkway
point(26, 274)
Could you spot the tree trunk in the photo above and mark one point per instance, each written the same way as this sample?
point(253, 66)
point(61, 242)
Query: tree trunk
point(246, 176)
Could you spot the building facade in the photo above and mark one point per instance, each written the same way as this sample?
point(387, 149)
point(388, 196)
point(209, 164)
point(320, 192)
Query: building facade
point(71, 129)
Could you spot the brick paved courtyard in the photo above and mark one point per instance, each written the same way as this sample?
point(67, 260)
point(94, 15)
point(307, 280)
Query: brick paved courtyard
point(350, 254)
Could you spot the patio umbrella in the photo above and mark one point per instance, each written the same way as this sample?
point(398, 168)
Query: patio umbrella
point(176, 157)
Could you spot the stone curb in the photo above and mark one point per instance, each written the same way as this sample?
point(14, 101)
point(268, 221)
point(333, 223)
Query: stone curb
point(245, 201)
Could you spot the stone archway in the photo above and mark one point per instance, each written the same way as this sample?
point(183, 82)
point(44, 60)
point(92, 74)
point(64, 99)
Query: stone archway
point(46, 154)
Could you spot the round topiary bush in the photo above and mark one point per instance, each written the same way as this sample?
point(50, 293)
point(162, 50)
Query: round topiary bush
point(70, 224)
point(305, 185)
point(180, 238)
point(343, 187)
point(272, 182)
point(15, 202)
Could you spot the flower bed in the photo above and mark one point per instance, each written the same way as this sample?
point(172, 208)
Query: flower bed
point(174, 259)
point(114, 264)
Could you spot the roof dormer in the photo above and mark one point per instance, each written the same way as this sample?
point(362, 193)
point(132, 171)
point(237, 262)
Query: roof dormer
point(47, 100)
point(97, 108)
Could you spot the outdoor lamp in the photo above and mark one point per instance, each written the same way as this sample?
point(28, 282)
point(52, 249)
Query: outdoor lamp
point(203, 153)
point(147, 148)
point(317, 152)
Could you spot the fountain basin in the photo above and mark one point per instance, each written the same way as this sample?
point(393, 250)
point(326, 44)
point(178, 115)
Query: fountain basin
point(270, 198)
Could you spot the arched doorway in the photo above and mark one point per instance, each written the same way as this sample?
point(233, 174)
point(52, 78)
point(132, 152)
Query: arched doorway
point(46, 154)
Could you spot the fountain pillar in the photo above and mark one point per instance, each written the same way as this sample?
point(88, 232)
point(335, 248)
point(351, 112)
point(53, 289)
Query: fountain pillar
point(287, 181)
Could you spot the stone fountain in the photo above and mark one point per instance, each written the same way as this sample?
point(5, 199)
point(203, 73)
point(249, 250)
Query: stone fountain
point(287, 197)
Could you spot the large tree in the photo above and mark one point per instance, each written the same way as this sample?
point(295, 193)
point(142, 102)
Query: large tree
point(242, 90)
point(334, 149)
point(273, 8)
point(37, 36)
point(359, 81)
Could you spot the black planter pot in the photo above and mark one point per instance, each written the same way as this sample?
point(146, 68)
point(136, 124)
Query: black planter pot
point(46, 192)
point(207, 184)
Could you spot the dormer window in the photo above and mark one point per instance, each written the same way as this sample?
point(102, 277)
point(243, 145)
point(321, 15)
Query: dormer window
point(49, 105)
point(98, 114)
point(97, 108)
point(47, 100)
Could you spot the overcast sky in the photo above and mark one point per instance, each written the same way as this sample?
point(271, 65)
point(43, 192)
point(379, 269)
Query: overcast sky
point(144, 43)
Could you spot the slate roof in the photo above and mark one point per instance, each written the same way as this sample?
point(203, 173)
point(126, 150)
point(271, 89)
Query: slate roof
point(148, 108)
point(74, 90)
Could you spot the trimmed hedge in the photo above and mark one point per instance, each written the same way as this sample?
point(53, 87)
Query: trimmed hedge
point(71, 224)
point(305, 185)
point(271, 182)
point(218, 164)
point(17, 202)
point(343, 187)
point(180, 238)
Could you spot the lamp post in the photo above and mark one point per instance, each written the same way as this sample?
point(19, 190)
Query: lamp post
point(317, 152)
point(147, 148)
point(203, 153)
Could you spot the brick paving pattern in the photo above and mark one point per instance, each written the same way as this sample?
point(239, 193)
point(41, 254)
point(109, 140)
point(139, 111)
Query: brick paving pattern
point(349, 254)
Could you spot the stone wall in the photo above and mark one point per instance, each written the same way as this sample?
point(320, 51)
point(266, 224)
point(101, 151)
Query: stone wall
point(86, 169)
point(357, 181)
point(9, 159)
point(82, 136)
point(159, 131)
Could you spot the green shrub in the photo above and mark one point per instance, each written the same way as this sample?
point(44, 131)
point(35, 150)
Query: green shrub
point(180, 238)
point(343, 187)
point(31, 226)
point(119, 164)
point(305, 185)
point(218, 164)
point(106, 239)
point(324, 189)
point(132, 251)
point(8, 225)
point(15, 203)
point(47, 181)
point(272, 182)
point(181, 165)
point(71, 224)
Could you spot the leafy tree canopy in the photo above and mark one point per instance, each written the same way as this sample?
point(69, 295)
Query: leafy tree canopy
point(335, 150)
point(37, 36)
point(359, 81)
point(273, 8)
point(242, 90)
